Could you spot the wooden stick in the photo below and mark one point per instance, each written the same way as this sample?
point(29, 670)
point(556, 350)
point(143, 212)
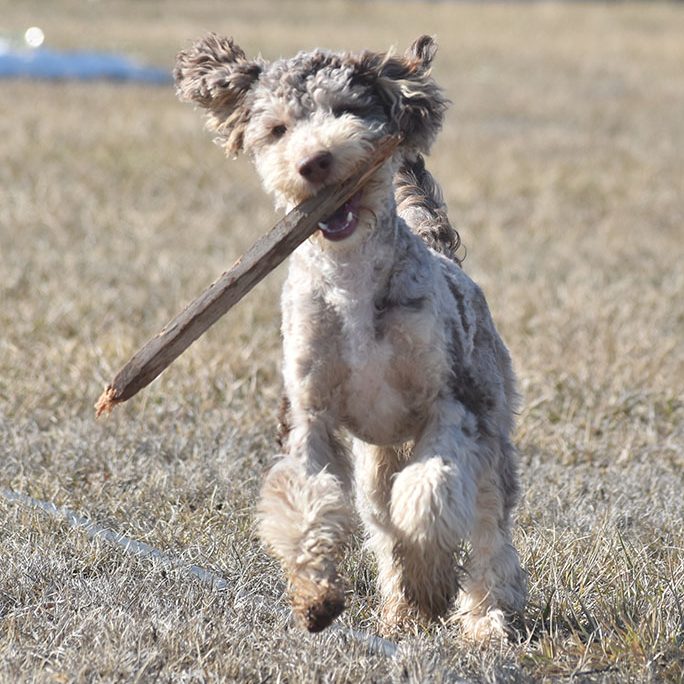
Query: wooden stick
point(267, 253)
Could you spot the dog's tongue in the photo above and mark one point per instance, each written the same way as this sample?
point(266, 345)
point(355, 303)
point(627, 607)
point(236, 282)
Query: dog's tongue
point(343, 222)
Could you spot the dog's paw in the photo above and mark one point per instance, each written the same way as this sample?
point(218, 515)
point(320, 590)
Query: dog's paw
point(398, 618)
point(485, 628)
point(321, 614)
point(317, 604)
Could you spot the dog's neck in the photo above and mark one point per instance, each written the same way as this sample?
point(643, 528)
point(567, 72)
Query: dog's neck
point(353, 281)
point(360, 265)
point(362, 260)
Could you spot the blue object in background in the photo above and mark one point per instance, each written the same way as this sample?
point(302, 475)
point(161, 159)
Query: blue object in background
point(48, 64)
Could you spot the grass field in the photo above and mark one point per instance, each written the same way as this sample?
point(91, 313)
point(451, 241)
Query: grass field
point(562, 162)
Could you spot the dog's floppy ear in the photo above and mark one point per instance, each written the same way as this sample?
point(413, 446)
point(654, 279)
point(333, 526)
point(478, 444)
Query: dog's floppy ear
point(415, 103)
point(216, 74)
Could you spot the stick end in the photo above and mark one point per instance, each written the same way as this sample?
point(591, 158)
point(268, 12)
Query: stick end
point(107, 401)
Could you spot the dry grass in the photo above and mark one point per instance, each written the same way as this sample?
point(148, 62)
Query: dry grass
point(562, 163)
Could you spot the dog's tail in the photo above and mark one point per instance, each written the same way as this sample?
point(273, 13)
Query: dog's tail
point(420, 203)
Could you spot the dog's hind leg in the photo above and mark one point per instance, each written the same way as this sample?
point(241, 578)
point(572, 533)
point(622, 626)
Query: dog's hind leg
point(495, 586)
point(305, 520)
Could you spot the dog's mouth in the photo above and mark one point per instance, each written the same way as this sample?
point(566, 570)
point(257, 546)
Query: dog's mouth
point(343, 222)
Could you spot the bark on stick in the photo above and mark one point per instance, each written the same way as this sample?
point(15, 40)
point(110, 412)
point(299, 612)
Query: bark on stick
point(267, 253)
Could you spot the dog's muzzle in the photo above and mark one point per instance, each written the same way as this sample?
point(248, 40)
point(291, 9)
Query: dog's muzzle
point(343, 222)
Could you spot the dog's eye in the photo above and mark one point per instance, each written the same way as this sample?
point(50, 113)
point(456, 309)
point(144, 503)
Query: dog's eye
point(279, 131)
point(353, 110)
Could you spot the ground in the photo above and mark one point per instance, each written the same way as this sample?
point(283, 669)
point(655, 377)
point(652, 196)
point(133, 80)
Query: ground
point(562, 162)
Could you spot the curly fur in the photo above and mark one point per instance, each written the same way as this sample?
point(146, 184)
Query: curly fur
point(385, 339)
point(420, 203)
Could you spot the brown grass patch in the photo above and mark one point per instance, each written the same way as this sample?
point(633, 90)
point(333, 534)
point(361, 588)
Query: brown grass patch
point(562, 164)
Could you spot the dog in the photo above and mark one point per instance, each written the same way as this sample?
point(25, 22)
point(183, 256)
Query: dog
point(399, 394)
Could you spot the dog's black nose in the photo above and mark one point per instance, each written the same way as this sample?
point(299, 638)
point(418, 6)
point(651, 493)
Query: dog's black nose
point(316, 168)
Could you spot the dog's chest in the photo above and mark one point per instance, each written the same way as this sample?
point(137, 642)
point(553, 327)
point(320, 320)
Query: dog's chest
point(363, 342)
point(393, 363)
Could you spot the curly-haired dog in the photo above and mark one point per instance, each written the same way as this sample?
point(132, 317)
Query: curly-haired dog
point(385, 337)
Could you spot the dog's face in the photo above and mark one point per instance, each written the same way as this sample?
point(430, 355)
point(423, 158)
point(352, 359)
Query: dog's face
point(311, 121)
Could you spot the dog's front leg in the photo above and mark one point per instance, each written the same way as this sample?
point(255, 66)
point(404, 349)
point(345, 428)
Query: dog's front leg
point(305, 519)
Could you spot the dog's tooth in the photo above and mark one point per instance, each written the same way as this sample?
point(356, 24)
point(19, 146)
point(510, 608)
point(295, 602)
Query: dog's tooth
point(350, 217)
point(322, 226)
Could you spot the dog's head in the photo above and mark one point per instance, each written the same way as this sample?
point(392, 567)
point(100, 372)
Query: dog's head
point(311, 120)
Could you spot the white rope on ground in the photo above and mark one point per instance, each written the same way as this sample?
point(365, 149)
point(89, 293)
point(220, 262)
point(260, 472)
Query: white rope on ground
point(375, 644)
point(95, 531)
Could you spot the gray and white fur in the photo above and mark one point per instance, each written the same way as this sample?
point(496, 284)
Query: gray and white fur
point(399, 392)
